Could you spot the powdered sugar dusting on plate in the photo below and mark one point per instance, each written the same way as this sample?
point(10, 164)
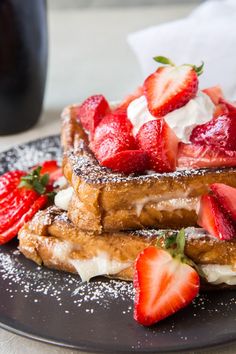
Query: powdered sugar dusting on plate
point(41, 281)
point(27, 155)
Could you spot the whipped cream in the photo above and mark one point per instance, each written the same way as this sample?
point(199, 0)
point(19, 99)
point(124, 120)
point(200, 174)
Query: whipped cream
point(63, 198)
point(197, 111)
point(218, 274)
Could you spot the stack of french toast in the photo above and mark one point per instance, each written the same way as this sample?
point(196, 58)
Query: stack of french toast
point(122, 198)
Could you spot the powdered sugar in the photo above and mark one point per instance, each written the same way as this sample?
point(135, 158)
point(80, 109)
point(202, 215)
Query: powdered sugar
point(27, 155)
point(40, 281)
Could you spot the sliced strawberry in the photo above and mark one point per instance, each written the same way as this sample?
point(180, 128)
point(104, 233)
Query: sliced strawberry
point(199, 156)
point(49, 167)
point(215, 93)
point(53, 169)
point(125, 103)
point(170, 88)
point(159, 141)
point(220, 110)
point(226, 196)
point(130, 161)
point(220, 132)
point(230, 106)
point(10, 233)
point(113, 135)
point(214, 219)
point(92, 110)
point(21, 196)
point(163, 285)
point(9, 181)
point(14, 210)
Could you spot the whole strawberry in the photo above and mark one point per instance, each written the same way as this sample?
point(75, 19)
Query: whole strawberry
point(170, 87)
point(22, 195)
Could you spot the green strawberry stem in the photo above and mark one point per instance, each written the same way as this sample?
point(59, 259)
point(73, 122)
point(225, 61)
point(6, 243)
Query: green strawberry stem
point(166, 61)
point(175, 245)
point(34, 180)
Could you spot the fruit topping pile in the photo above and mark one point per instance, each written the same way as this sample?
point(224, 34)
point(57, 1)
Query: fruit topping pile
point(165, 280)
point(150, 139)
point(22, 194)
point(217, 212)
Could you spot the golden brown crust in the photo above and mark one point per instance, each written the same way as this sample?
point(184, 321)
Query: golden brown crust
point(107, 201)
point(38, 244)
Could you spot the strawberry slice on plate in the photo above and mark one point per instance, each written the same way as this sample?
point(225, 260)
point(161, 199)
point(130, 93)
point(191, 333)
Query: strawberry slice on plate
point(226, 196)
point(213, 218)
point(163, 283)
point(9, 181)
point(22, 195)
point(129, 161)
point(52, 168)
point(92, 110)
point(159, 141)
point(199, 156)
point(170, 87)
point(14, 210)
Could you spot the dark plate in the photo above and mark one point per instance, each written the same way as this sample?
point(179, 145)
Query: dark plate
point(57, 308)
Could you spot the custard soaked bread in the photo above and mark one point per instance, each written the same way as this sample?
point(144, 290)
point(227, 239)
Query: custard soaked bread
point(50, 238)
point(105, 201)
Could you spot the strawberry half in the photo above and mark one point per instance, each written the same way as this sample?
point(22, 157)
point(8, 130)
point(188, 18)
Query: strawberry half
point(113, 135)
point(10, 233)
point(159, 141)
point(14, 210)
point(163, 285)
point(220, 132)
point(9, 181)
point(52, 168)
point(199, 156)
point(129, 161)
point(213, 218)
point(226, 196)
point(170, 87)
point(92, 110)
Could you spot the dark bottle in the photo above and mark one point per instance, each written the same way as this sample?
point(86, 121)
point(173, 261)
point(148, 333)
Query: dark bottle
point(23, 63)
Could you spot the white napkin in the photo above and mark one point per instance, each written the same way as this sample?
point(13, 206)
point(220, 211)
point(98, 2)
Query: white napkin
point(208, 34)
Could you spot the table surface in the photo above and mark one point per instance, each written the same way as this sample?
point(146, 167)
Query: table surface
point(88, 54)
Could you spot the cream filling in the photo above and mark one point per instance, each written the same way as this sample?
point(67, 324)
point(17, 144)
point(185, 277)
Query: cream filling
point(63, 198)
point(102, 264)
point(99, 265)
point(187, 203)
point(218, 274)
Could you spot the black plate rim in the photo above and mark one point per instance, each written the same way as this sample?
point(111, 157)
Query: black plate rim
point(90, 348)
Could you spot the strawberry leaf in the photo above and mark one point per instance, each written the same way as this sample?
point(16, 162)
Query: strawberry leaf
point(197, 69)
point(163, 60)
point(34, 180)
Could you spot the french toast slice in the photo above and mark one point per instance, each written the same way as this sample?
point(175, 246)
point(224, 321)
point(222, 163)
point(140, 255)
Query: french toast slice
point(50, 238)
point(106, 201)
